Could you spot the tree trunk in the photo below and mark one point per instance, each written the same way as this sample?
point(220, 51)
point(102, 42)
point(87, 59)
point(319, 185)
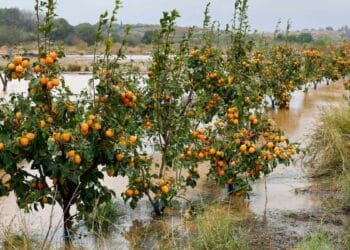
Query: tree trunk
point(327, 81)
point(273, 104)
point(315, 85)
point(67, 223)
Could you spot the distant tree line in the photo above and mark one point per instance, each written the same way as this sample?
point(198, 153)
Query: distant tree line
point(304, 37)
point(18, 26)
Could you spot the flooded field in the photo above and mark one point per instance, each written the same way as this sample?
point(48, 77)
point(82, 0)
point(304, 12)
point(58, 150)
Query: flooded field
point(284, 207)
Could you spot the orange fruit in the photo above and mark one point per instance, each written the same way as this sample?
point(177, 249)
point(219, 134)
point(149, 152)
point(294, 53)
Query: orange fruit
point(19, 115)
point(109, 133)
point(42, 124)
point(77, 159)
point(49, 119)
point(84, 129)
point(136, 192)
point(65, 137)
point(91, 117)
point(11, 66)
point(128, 94)
point(49, 60)
point(55, 82)
point(221, 172)
point(17, 60)
point(251, 150)
point(129, 192)
point(269, 145)
point(201, 137)
point(24, 142)
point(119, 157)
point(137, 179)
point(70, 153)
point(97, 126)
point(243, 148)
point(165, 189)
point(132, 139)
point(2, 146)
point(19, 69)
point(53, 55)
point(255, 121)
point(30, 136)
point(229, 181)
point(25, 63)
point(37, 69)
point(221, 163)
point(49, 85)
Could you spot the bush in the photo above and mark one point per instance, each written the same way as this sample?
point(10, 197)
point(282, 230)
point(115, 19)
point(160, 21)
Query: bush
point(103, 217)
point(330, 143)
point(317, 241)
point(218, 228)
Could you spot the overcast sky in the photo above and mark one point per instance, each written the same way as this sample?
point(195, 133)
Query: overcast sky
point(263, 13)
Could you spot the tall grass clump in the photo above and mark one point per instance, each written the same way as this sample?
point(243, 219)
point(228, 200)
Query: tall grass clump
point(102, 219)
point(218, 228)
point(317, 241)
point(329, 146)
point(329, 149)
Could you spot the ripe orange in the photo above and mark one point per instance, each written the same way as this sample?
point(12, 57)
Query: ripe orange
point(255, 121)
point(129, 192)
point(90, 123)
point(84, 129)
point(53, 55)
point(19, 69)
point(24, 142)
point(165, 189)
point(269, 145)
point(65, 137)
point(19, 115)
point(221, 172)
point(201, 137)
point(37, 69)
point(30, 136)
point(49, 85)
point(91, 117)
point(109, 133)
point(136, 192)
point(137, 179)
point(251, 150)
point(49, 60)
point(70, 153)
point(97, 126)
point(44, 80)
point(49, 119)
point(229, 181)
point(2, 146)
point(119, 157)
point(17, 60)
point(55, 82)
point(132, 139)
point(243, 148)
point(42, 124)
point(11, 66)
point(221, 163)
point(77, 159)
point(25, 63)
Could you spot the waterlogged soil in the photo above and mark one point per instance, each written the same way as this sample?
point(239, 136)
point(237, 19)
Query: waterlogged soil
point(283, 208)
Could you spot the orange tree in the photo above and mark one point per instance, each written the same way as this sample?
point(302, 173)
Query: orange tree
point(281, 74)
point(66, 141)
point(241, 142)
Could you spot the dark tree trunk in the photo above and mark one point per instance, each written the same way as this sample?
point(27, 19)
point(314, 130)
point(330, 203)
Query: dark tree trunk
point(327, 82)
point(315, 85)
point(273, 104)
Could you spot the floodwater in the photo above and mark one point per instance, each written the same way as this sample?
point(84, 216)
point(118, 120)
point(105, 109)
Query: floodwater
point(271, 197)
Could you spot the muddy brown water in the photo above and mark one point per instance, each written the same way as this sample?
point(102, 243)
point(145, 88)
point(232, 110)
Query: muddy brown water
point(274, 199)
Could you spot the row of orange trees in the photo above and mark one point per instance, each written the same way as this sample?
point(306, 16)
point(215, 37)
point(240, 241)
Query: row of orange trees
point(197, 104)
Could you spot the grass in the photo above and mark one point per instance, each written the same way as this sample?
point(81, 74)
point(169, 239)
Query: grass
point(219, 228)
point(329, 149)
point(317, 241)
point(17, 240)
point(103, 217)
point(330, 143)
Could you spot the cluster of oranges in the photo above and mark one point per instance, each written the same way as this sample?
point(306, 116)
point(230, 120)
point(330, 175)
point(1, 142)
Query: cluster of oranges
point(128, 99)
point(18, 67)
